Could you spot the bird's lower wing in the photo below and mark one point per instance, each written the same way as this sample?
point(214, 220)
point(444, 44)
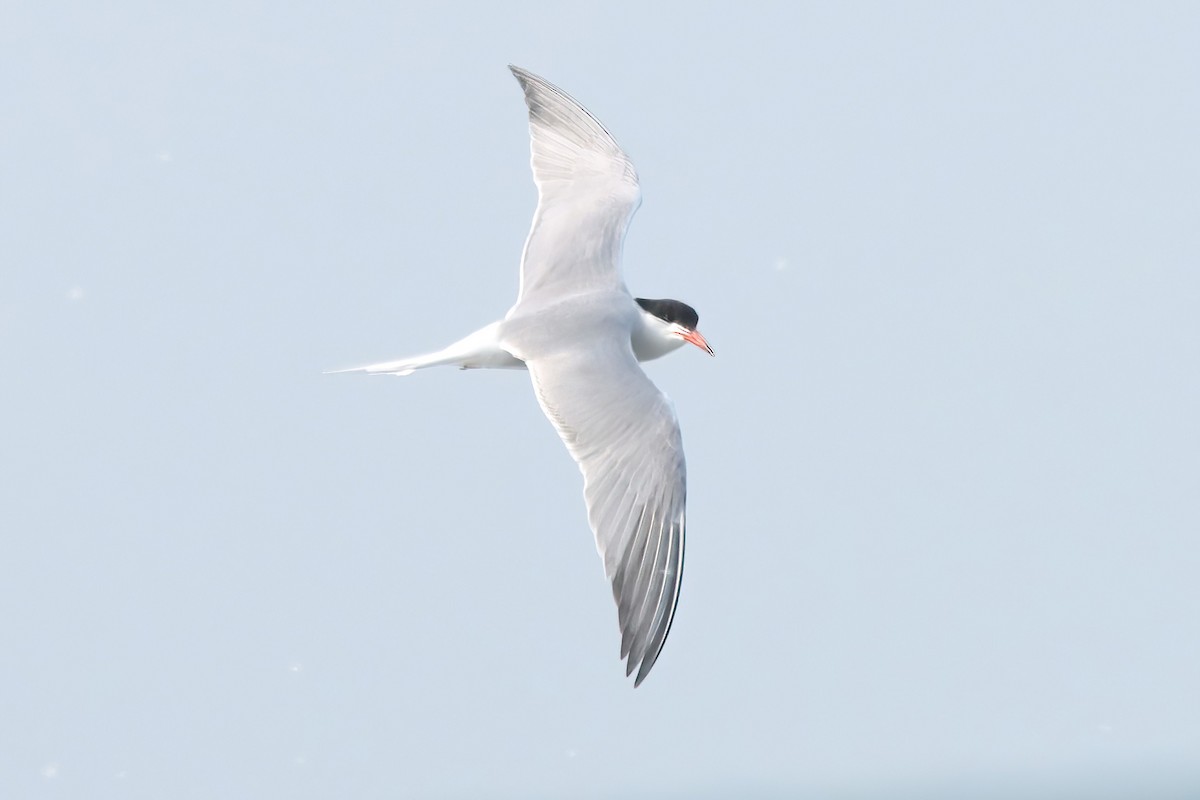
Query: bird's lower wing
point(624, 435)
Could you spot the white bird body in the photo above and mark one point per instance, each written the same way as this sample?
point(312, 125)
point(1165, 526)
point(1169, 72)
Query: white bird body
point(580, 334)
point(493, 346)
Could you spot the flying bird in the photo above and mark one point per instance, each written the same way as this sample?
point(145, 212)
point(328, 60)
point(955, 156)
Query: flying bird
point(580, 333)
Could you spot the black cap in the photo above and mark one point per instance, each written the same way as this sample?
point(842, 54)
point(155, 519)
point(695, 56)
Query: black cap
point(671, 311)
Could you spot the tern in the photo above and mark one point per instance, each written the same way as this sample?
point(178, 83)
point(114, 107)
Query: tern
point(580, 333)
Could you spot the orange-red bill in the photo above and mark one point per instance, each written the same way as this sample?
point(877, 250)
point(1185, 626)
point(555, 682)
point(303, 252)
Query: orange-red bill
point(695, 338)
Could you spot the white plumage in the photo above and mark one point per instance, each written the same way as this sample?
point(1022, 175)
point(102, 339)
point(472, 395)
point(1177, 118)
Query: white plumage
point(580, 333)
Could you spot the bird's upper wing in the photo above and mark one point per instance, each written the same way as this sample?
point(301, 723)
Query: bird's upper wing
point(587, 193)
point(623, 433)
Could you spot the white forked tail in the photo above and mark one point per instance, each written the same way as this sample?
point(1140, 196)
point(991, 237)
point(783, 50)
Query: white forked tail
point(480, 350)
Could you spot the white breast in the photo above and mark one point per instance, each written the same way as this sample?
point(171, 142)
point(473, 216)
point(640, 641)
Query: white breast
point(652, 338)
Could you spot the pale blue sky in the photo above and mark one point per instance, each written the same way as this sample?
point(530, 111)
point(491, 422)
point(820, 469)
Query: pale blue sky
point(943, 520)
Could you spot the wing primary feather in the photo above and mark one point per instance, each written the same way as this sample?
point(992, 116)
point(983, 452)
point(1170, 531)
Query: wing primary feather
point(651, 587)
point(633, 592)
point(644, 591)
point(633, 596)
point(621, 575)
point(624, 517)
point(667, 603)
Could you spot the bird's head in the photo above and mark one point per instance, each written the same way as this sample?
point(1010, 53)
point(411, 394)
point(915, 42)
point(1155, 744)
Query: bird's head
point(674, 321)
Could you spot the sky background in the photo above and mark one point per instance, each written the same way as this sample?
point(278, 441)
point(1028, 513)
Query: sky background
point(944, 534)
